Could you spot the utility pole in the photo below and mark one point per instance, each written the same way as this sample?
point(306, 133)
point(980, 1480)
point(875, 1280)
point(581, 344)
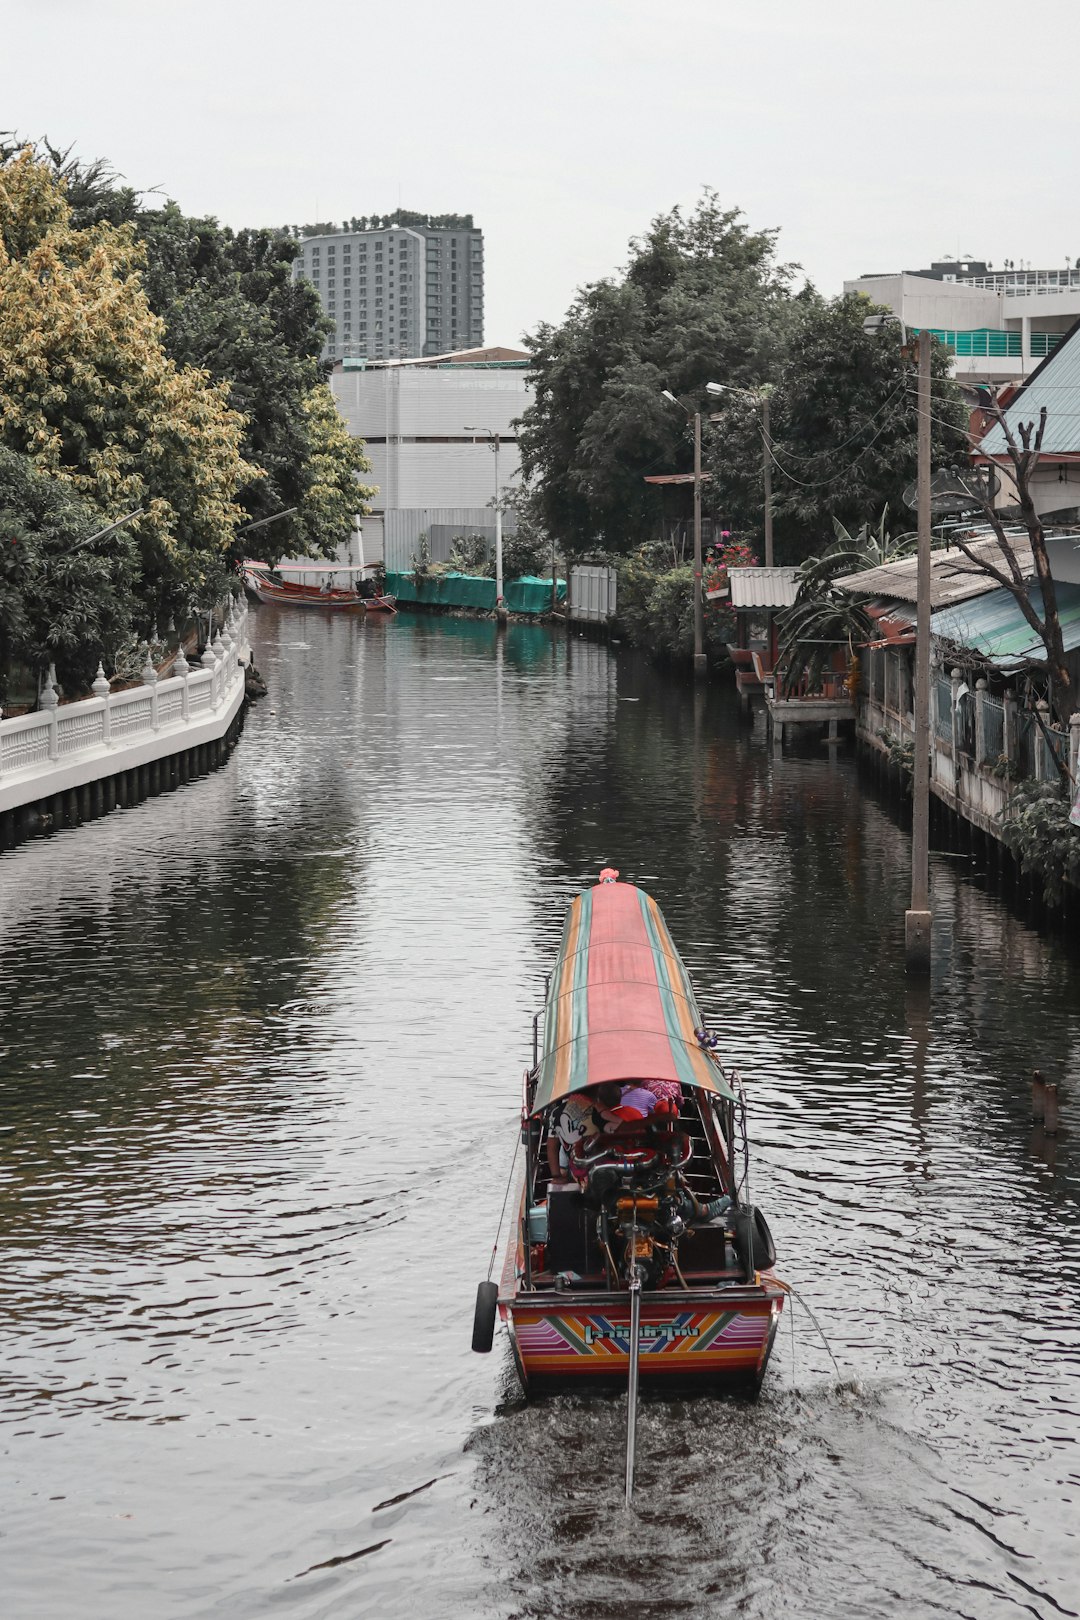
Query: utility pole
point(918, 919)
point(498, 532)
point(700, 661)
point(768, 478)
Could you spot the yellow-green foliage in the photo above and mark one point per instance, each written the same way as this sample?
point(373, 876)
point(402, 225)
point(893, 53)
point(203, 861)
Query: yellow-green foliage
point(335, 460)
point(90, 395)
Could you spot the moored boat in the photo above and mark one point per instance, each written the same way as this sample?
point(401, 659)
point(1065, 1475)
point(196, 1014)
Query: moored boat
point(634, 1251)
point(268, 586)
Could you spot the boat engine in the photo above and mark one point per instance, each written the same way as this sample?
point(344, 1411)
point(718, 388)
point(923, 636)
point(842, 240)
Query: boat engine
point(635, 1184)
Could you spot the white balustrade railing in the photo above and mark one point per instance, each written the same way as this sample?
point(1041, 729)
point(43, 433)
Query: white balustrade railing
point(35, 746)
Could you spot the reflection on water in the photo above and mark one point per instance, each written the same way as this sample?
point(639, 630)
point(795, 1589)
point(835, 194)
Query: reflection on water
point(260, 1043)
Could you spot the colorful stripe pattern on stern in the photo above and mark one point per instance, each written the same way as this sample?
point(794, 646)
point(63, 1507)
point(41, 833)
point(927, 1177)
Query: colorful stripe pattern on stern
point(696, 1342)
point(621, 1005)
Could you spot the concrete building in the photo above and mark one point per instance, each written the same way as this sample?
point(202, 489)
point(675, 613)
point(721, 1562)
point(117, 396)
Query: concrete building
point(999, 324)
point(429, 427)
point(409, 289)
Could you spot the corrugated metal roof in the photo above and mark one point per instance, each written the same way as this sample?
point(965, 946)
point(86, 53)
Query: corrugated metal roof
point(1056, 384)
point(763, 587)
point(954, 577)
point(995, 626)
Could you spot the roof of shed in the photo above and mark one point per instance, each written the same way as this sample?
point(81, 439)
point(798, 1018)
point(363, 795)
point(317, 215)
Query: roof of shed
point(1055, 384)
point(763, 587)
point(995, 626)
point(954, 577)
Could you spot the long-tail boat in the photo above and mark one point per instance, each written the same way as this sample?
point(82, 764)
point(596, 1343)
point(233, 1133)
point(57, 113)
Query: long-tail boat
point(640, 1256)
point(324, 591)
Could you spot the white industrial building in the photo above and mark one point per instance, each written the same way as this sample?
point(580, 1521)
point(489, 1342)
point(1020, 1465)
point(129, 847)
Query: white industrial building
point(430, 427)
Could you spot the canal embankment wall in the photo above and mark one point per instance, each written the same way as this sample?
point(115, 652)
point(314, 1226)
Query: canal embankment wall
point(66, 763)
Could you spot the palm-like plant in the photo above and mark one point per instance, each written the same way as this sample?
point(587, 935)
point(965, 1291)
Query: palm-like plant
point(823, 618)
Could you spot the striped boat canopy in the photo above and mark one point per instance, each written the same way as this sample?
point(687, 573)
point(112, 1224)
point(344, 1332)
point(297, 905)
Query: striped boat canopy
point(621, 1005)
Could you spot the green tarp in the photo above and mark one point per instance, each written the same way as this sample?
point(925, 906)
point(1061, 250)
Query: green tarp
point(527, 595)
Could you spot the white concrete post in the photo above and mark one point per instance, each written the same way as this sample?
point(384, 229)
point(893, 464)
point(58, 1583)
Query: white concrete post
point(1010, 726)
point(102, 689)
point(148, 676)
point(1074, 745)
point(48, 701)
point(980, 722)
point(956, 678)
point(183, 668)
point(219, 669)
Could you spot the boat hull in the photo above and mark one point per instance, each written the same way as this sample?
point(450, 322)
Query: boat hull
point(336, 602)
point(694, 1339)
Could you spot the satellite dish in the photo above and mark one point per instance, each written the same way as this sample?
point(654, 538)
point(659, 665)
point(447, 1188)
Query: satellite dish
point(957, 489)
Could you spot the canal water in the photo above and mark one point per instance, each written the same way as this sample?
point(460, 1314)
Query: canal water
point(260, 1050)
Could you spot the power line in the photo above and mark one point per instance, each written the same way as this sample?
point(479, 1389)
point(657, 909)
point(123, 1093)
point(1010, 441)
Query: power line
point(821, 483)
point(793, 455)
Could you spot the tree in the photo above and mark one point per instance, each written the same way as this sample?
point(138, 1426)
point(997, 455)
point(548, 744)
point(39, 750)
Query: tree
point(843, 427)
point(823, 618)
point(92, 397)
point(702, 298)
point(333, 494)
point(62, 600)
point(232, 307)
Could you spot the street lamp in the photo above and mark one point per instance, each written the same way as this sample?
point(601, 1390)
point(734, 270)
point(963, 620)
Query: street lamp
point(701, 663)
point(918, 919)
point(760, 397)
point(493, 437)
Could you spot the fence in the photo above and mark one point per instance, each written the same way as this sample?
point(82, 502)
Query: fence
point(592, 594)
point(993, 719)
point(941, 709)
point(63, 746)
point(976, 729)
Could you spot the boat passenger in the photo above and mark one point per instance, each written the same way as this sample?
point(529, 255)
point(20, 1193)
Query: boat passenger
point(664, 1090)
point(632, 1103)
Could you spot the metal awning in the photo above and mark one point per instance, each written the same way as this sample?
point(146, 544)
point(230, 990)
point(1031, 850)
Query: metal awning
point(994, 626)
point(763, 587)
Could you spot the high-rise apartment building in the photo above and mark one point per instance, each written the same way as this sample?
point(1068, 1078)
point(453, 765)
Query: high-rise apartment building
point(412, 287)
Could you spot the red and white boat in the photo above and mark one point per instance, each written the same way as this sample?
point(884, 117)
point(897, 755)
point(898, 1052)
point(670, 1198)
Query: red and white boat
point(338, 587)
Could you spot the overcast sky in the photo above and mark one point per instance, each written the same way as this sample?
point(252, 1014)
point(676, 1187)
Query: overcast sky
point(875, 137)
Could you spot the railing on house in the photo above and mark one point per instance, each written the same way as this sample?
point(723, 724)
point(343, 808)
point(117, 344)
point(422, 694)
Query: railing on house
point(941, 708)
point(993, 722)
point(99, 736)
point(981, 741)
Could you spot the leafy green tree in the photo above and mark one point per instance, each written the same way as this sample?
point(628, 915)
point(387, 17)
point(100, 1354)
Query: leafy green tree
point(232, 307)
point(843, 425)
point(91, 396)
point(701, 299)
point(62, 600)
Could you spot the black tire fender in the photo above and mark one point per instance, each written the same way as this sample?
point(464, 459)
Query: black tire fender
point(753, 1241)
point(483, 1332)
